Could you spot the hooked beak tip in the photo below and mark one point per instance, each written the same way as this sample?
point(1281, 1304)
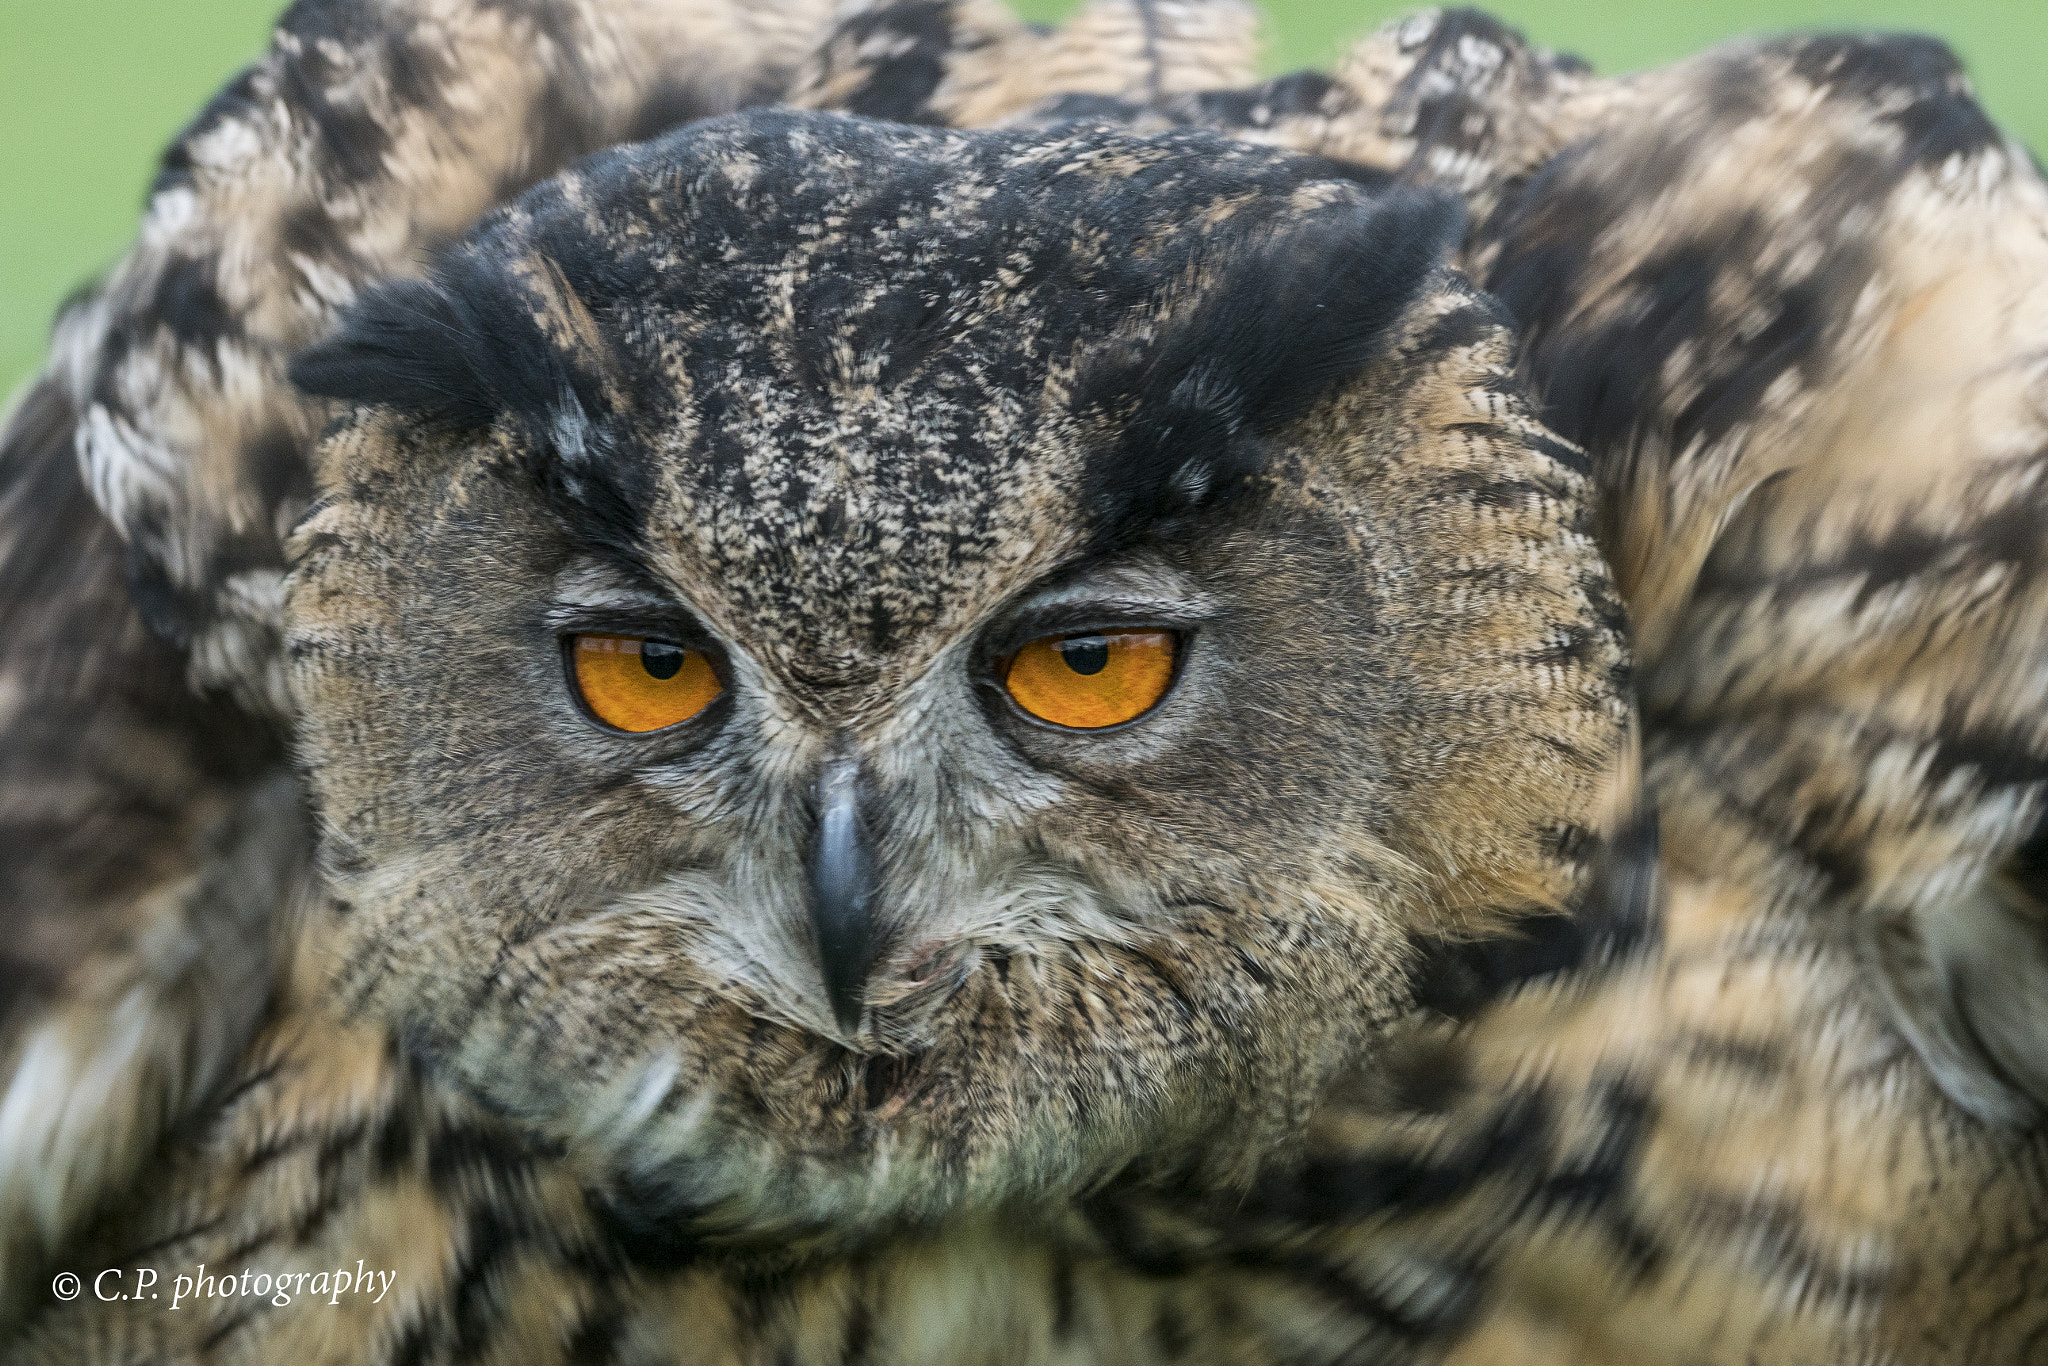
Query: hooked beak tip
point(842, 876)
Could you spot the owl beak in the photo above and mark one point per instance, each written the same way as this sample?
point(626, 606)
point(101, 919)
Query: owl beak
point(842, 889)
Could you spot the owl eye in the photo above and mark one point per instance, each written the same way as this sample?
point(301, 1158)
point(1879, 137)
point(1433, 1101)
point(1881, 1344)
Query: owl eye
point(638, 684)
point(1090, 681)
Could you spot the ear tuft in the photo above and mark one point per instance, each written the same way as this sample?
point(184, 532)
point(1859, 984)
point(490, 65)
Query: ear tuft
point(411, 345)
point(1320, 304)
point(477, 341)
point(1281, 318)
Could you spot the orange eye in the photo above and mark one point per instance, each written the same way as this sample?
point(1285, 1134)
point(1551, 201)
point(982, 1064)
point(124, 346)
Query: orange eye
point(640, 685)
point(1094, 680)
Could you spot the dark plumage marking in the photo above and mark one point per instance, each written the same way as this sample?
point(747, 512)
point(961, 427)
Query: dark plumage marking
point(344, 23)
point(1599, 1187)
point(189, 305)
point(1155, 65)
point(857, 1348)
point(1331, 1188)
point(1438, 91)
point(276, 466)
point(460, 348)
point(167, 609)
point(558, 130)
point(1599, 383)
point(179, 613)
point(1302, 93)
point(350, 140)
point(1607, 609)
point(1121, 1226)
point(238, 1252)
point(1904, 554)
point(336, 1149)
point(2011, 534)
point(466, 1152)
point(1780, 1232)
point(492, 1238)
point(2028, 865)
point(1790, 341)
point(1616, 918)
point(251, 1081)
point(310, 232)
point(185, 1234)
point(1072, 108)
point(234, 1322)
point(1571, 457)
point(598, 1335)
point(1817, 840)
point(1817, 834)
point(671, 104)
point(313, 1220)
point(1571, 754)
point(1363, 1302)
point(1170, 979)
point(415, 1344)
point(763, 1295)
point(1622, 898)
point(899, 87)
point(1063, 1307)
point(25, 983)
point(1827, 833)
point(1999, 756)
point(905, 324)
point(1170, 1335)
point(416, 74)
point(1488, 490)
point(2008, 536)
point(1518, 1143)
point(1253, 968)
point(1458, 978)
point(1911, 81)
point(236, 100)
point(644, 1227)
point(276, 1146)
point(1480, 317)
point(1429, 1077)
point(1761, 1060)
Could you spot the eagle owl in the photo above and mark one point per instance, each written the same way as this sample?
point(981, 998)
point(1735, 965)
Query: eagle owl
point(729, 684)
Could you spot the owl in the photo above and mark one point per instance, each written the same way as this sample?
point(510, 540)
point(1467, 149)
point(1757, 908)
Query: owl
point(783, 685)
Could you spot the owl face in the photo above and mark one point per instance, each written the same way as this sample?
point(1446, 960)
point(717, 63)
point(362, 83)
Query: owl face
point(850, 670)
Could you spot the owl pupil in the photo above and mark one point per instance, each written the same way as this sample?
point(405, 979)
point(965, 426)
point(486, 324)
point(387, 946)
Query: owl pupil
point(662, 661)
point(1088, 655)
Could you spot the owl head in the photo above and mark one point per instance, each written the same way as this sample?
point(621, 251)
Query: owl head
point(850, 671)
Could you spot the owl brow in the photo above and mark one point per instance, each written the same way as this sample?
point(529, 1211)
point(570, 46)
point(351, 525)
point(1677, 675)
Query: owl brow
point(629, 616)
point(1091, 613)
point(619, 556)
point(1100, 594)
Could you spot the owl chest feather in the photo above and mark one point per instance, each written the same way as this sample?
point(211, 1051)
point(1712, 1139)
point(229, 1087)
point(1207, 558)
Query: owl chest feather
point(341, 1208)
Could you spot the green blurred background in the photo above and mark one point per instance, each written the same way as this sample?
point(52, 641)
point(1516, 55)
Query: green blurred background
point(91, 89)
